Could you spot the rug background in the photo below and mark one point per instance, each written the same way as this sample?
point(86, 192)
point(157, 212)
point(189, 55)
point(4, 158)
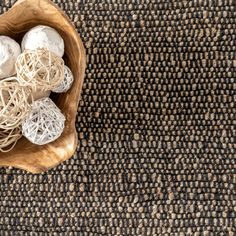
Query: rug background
point(156, 127)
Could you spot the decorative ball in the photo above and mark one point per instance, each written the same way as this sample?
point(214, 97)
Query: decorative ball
point(9, 138)
point(44, 123)
point(65, 85)
point(40, 69)
point(13, 103)
point(9, 51)
point(43, 37)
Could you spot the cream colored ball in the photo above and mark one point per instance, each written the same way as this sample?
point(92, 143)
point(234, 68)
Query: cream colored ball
point(43, 37)
point(9, 51)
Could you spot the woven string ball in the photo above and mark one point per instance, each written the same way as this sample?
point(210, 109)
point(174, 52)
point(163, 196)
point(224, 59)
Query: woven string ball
point(40, 69)
point(44, 123)
point(65, 85)
point(9, 138)
point(13, 103)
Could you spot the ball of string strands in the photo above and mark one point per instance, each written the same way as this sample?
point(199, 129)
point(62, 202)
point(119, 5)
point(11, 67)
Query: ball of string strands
point(67, 82)
point(40, 69)
point(9, 138)
point(44, 123)
point(14, 103)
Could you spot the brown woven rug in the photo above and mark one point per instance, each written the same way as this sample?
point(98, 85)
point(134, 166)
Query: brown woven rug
point(156, 127)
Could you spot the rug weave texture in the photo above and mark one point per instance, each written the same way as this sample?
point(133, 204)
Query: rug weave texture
point(156, 127)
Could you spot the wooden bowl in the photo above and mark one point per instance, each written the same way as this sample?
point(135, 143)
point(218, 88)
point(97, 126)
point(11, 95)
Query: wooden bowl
point(24, 15)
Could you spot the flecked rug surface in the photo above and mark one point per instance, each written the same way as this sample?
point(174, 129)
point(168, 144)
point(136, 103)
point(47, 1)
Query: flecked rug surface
point(156, 123)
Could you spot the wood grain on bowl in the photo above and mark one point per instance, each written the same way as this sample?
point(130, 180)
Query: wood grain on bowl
point(24, 15)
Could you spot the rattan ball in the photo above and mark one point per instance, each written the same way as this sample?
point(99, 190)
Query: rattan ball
point(9, 138)
point(13, 103)
point(65, 85)
point(40, 69)
point(44, 123)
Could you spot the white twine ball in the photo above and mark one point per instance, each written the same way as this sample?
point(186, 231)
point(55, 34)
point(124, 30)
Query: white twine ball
point(9, 51)
point(66, 84)
point(43, 37)
point(44, 123)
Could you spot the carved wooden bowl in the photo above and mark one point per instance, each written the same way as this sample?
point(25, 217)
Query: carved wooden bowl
point(24, 15)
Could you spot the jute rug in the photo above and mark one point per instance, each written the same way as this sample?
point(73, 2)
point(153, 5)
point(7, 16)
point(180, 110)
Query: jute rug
point(156, 127)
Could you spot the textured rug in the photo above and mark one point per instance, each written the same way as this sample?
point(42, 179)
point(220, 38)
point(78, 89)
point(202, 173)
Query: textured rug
point(156, 127)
